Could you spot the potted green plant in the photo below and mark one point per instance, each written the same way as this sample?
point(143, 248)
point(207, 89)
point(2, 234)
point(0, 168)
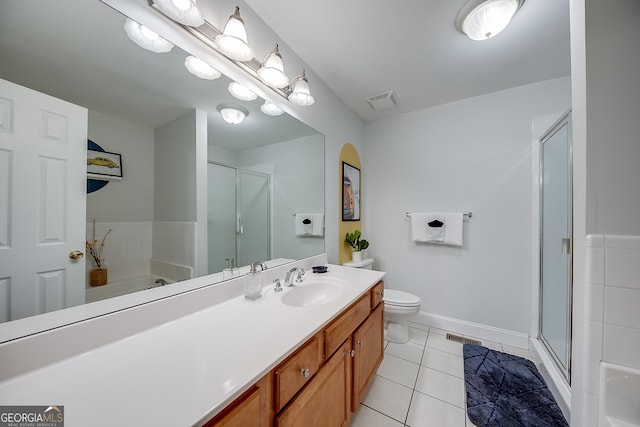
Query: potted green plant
point(357, 243)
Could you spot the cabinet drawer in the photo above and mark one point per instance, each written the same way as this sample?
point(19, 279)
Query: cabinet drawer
point(341, 328)
point(294, 372)
point(377, 294)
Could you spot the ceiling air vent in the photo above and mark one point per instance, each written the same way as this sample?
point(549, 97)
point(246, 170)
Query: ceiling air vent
point(383, 101)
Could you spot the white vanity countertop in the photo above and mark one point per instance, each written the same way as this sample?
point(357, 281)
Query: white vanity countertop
point(179, 372)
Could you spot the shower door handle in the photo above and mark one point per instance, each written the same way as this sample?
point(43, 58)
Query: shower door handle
point(566, 246)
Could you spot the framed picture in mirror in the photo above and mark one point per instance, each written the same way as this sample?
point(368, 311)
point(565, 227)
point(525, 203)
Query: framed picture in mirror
point(350, 192)
point(104, 165)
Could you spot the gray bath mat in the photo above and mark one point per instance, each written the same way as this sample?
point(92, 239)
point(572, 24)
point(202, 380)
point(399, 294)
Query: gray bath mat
point(507, 391)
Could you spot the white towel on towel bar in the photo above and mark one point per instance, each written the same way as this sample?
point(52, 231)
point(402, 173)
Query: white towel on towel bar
point(449, 234)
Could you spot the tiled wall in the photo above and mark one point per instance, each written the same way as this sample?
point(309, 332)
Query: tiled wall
point(612, 310)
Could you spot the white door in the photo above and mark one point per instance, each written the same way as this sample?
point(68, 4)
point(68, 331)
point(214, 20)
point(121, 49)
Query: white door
point(43, 154)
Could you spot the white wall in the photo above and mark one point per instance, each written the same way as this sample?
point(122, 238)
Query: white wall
point(471, 155)
point(132, 198)
point(296, 166)
point(175, 172)
point(606, 97)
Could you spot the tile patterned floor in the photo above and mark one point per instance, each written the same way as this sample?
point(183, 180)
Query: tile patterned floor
point(420, 383)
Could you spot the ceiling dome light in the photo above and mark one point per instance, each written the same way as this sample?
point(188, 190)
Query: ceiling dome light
point(271, 109)
point(145, 38)
point(232, 114)
point(484, 20)
point(241, 92)
point(199, 68)
point(182, 11)
point(300, 93)
point(233, 40)
point(272, 70)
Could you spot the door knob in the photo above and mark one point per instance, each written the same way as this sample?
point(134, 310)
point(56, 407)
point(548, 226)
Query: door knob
point(76, 254)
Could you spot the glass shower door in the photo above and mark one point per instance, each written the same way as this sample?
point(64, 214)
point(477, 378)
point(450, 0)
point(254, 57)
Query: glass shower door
point(221, 216)
point(254, 218)
point(238, 216)
point(556, 239)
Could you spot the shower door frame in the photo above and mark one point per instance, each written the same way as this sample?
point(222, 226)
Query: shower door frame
point(238, 225)
point(565, 119)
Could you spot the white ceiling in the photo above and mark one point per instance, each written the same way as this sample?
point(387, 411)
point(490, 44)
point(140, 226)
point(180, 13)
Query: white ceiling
point(361, 48)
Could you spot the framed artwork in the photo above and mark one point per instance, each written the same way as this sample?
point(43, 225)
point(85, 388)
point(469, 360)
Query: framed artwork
point(350, 192)
point(104, 165)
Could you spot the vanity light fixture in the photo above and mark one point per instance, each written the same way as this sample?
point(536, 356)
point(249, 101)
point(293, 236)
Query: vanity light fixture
point(484, 19)
point(182, 11)
point(145, 38)
point(300, 93)
point(272, 70)
point(199, 68)
point(233, 40)
point(241, 92)
point(271, 109)
point(232, 114)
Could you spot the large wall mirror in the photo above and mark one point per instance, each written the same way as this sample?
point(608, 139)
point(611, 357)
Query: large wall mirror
point(174, 215)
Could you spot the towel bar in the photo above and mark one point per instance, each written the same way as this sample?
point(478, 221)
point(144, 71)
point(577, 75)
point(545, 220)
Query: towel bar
point(466, 214)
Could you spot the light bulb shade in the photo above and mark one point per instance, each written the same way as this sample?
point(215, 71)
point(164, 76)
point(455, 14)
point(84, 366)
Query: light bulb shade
point(241, 92)
point(300, 93)
point(199, 68)
point(272, 70)
point(489, 18)
point(271, 109)
point(145, 38)
point(232, 114)
point(233, 40)
point(182, 11)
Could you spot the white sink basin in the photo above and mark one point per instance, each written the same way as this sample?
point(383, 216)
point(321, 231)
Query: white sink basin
point(314, 292)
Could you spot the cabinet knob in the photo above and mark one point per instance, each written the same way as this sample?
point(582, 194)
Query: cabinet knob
point(381, 293)
point(305, 372)
point(360, 344)
point(352, 353)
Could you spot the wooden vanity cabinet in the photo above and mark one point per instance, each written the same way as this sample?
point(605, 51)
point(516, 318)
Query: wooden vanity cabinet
point(324, 380)
point(368, 351)
point(291, 375)
point(325, 401)
point(252, 409)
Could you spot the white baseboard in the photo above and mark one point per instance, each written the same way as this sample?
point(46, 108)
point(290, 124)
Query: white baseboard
point(477, 330)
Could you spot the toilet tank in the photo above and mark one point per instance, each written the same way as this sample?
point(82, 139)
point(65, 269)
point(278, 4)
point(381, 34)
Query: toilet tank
point(365, 263)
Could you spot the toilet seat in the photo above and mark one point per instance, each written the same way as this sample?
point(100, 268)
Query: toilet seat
point(397, 298)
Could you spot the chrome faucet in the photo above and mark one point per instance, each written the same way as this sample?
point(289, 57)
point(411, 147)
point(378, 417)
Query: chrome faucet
point(162, 282)
point(299, 272)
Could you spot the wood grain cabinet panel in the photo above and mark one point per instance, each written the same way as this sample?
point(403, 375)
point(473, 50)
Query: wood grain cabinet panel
point(344, 325)
point(252, 409)
point(377, 294)
point(368, 346)
point(296, 370)
point(325, 401)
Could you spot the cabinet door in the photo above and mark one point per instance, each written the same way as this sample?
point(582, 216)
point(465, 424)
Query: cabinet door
point(325, 401)
point(368, 345)
point(251, 409)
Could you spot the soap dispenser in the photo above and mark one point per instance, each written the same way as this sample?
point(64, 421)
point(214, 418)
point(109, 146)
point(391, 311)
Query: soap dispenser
point(230, 271)
point(253, 281)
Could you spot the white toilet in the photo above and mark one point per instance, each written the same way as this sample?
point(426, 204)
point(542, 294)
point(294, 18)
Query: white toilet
point(399, 307)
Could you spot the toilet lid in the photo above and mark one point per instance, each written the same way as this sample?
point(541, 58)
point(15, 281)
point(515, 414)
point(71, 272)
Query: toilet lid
point(395, 297)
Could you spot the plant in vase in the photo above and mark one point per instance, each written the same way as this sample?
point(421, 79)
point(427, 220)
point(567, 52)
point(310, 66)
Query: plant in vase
point(354, 240)
point(98, 276)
